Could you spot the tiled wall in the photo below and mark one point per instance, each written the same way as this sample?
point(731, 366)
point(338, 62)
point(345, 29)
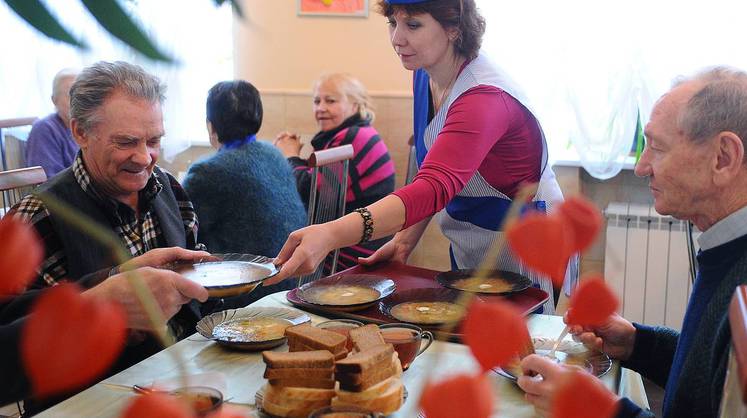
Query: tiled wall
point(292, 112)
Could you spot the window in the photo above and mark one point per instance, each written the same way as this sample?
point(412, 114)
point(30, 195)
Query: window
point(588, 66)
point(197, 33)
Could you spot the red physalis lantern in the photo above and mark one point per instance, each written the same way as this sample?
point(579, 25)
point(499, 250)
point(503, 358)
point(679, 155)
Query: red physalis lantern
point(82, 335)
point(467, 396)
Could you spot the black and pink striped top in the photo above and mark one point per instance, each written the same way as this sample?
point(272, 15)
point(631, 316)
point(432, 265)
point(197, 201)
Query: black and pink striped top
point(370, 175)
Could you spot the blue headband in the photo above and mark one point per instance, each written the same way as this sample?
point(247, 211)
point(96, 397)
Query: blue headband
point(406, 1)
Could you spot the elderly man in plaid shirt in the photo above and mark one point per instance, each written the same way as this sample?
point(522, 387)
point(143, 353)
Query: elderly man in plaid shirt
point(116, 119)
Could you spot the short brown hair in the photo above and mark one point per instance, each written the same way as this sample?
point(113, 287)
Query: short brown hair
point(459, 14)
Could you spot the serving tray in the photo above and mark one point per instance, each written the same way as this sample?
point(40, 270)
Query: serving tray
point(408, 277)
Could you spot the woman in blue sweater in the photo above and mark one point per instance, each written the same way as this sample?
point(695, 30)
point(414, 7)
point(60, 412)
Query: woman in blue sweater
point(245, 194)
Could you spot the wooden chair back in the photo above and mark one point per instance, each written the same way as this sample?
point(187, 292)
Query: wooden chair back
point(15, 184)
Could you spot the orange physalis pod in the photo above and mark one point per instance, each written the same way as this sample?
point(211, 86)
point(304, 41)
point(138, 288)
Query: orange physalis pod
point(460, 396)
point(86, 335)
point(583, 217)
point(495, 333)
point(21, 255)
point(591, 303)
point(542, 243)
point(581, 395)
point(156, 405)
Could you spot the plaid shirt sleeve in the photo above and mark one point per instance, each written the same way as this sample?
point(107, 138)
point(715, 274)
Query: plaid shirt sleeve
point(53, 267)
point(188, 214)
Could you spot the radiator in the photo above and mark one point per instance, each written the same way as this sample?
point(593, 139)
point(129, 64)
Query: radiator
point(646, 261)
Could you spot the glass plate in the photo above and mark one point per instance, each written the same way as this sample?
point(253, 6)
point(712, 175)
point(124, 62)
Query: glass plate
point(207, 324)
point(573, 352)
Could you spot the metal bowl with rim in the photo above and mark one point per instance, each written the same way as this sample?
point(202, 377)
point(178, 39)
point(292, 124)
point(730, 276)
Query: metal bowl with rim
point(207, 325)
point(498, 282)
point(426, 307)
point(233, 275)
point(351, 292)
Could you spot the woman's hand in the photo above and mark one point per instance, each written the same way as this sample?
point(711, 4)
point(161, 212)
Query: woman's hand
point(303, 251)
point(615, 338)
point(394, 250)
point(400, 247)
point(289, 144)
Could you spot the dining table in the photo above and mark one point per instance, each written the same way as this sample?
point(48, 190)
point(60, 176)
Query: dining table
point(239, 374)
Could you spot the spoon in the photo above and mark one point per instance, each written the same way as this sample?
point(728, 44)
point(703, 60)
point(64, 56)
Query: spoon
point(557, 343)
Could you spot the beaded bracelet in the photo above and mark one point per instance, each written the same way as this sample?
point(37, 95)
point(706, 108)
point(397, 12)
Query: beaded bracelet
point(367, 224)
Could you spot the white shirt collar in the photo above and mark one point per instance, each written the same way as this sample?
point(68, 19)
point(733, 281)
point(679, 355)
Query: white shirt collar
point(725, 230)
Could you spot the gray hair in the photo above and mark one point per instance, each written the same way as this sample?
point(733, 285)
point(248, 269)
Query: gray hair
point(61, 76)
point(720, 104)
point(99, 81)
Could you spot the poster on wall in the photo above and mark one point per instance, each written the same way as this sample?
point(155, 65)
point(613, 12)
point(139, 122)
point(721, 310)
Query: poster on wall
point(344, 8)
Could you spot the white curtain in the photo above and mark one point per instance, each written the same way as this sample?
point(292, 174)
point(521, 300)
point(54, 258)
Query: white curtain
point(196, 33)
point(588, 67)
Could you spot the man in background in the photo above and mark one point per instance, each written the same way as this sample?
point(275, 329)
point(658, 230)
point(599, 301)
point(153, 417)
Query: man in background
point(50, 143)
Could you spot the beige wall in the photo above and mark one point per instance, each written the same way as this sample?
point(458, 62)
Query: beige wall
point(279, 51)
point(282, 53)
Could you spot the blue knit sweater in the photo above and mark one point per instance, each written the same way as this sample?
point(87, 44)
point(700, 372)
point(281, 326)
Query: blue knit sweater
point(246, 200)
point(692, 365)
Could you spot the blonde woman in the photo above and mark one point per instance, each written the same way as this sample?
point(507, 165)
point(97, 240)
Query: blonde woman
point(343, 112)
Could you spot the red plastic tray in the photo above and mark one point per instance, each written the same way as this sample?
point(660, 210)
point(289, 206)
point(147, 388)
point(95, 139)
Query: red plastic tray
point(410, 277)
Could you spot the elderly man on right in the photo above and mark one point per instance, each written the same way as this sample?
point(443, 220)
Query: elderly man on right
point(695, 162)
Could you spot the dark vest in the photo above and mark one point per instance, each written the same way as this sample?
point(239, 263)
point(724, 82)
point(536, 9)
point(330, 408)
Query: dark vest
point(85, 255)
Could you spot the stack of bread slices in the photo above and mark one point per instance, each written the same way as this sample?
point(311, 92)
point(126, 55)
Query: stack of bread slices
point(298, 382)
point(318, 372)
point(370, 378)
point(306, 337)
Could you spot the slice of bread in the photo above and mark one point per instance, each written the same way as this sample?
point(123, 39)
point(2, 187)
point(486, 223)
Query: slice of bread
point(365, 337)
point(358, 382)
point(300, 372)
point(310, 383)
point(292, 409)
point(373, 392)
point(316, 338)
point(280, 394)
point(302, 359)
point(296, 345)
point(374, 357)
point(387, 402)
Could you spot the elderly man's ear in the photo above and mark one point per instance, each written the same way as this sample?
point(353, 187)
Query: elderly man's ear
point(729, 161)
point(79, 134)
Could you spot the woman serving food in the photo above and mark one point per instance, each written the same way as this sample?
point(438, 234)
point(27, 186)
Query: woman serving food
point(477, 144)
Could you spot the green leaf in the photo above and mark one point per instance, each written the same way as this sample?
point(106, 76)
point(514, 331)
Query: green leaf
point(37, 15)
point(114, 19)
point(235, 4)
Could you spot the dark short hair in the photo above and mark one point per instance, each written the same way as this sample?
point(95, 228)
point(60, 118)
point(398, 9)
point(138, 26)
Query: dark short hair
point(234, 108)
point(459, 14)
